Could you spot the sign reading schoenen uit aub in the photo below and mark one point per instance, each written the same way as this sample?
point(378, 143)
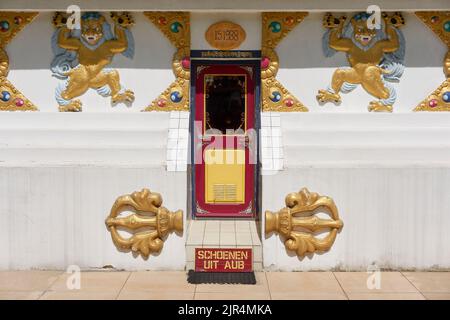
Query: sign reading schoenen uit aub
point(223, 260)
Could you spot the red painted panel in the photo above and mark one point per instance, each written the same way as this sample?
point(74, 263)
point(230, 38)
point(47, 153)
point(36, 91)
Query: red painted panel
point(201, 208)
point(223, 260)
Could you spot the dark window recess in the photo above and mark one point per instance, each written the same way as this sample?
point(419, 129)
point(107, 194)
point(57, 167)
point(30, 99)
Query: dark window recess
point(225, 102)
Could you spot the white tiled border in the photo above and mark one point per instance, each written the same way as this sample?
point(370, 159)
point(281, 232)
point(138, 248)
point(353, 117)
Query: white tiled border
point(178, 141)
point(271, 147)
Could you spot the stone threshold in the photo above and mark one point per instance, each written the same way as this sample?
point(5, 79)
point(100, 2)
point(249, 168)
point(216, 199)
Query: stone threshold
point(223, 234)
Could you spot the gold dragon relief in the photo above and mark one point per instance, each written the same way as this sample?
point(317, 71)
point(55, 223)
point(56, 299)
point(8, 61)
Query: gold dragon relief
point(82, 56)
point(375, 54)
point(300, 226)
point(149, 224)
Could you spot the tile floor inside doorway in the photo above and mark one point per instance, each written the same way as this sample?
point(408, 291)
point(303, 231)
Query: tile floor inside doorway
point(223, 234)
point(152, 285)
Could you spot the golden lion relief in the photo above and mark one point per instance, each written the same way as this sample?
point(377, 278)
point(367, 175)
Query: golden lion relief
point(81, 56)
point(375, 57)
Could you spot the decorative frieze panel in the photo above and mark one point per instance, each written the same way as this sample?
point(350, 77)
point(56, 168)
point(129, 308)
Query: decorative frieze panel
point(275, 26)
point(81, 56)
point(149, 224)
point(375, 57)
point(176, 27)
point(11, 23)
point(439, 23)
point(299, 225)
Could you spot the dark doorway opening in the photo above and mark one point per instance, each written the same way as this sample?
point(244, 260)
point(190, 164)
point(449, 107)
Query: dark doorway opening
point(225, 102)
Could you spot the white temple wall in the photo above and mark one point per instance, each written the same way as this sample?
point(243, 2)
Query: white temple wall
point(59, 177)
point(389, 177)
point(389, 174)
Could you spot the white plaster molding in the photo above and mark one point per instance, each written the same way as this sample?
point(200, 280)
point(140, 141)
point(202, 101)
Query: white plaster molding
point(230, 5)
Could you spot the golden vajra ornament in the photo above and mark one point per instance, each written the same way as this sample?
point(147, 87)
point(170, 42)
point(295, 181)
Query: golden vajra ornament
point(11, 23)
point(275, 26)
point(150, 223)
point(299, 226)
point(176, 27)
point(439, 23)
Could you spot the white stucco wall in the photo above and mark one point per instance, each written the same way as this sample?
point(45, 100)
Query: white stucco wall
point(59, 177)
point(389, 176)
point(224, 6)
point(388, 173)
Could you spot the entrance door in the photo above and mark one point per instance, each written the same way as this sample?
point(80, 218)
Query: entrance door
point(225, 159)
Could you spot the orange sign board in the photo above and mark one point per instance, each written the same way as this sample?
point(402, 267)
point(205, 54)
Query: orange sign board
point(223, 260)
point(225, 35)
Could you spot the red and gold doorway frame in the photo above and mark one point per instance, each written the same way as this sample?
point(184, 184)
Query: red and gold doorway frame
point(225, 63)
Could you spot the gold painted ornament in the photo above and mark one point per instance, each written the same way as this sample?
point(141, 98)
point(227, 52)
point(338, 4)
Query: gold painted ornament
point(439, 23)
point(11, 23)
point(176, 27)
point(275, 26)
point(299, 226)
point(149, 224)
point(82, 55)
point(225, 35)
point(375, 57)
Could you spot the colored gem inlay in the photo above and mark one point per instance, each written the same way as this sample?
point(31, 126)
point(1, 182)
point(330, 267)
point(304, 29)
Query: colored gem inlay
point(5, 96)
point(18, 20)
point(265, 63)
point(161, 103)
point(175, 27)
point(433, 103)
point(186, 63)
point(176, 96)
point(4, 26)
point(447, 26)
point(289, 20)
point(162, 20)
point(275, 26)
point(434, 19)
point(289, 102)
point(19, 102)
point(446, 97)
point(276, 96)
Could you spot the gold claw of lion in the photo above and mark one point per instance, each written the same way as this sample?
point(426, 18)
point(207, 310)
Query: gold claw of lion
point(126, 96)
point(330, 21)
point(60, 19)
point(377, 106)
point(123, 19)
point(325, 96)
point(73, 106)
point(395, 20)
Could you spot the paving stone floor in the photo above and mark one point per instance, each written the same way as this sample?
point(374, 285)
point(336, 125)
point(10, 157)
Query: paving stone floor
point(154, 285)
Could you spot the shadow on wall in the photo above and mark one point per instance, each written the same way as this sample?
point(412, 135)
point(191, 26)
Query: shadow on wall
point(31, 48)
